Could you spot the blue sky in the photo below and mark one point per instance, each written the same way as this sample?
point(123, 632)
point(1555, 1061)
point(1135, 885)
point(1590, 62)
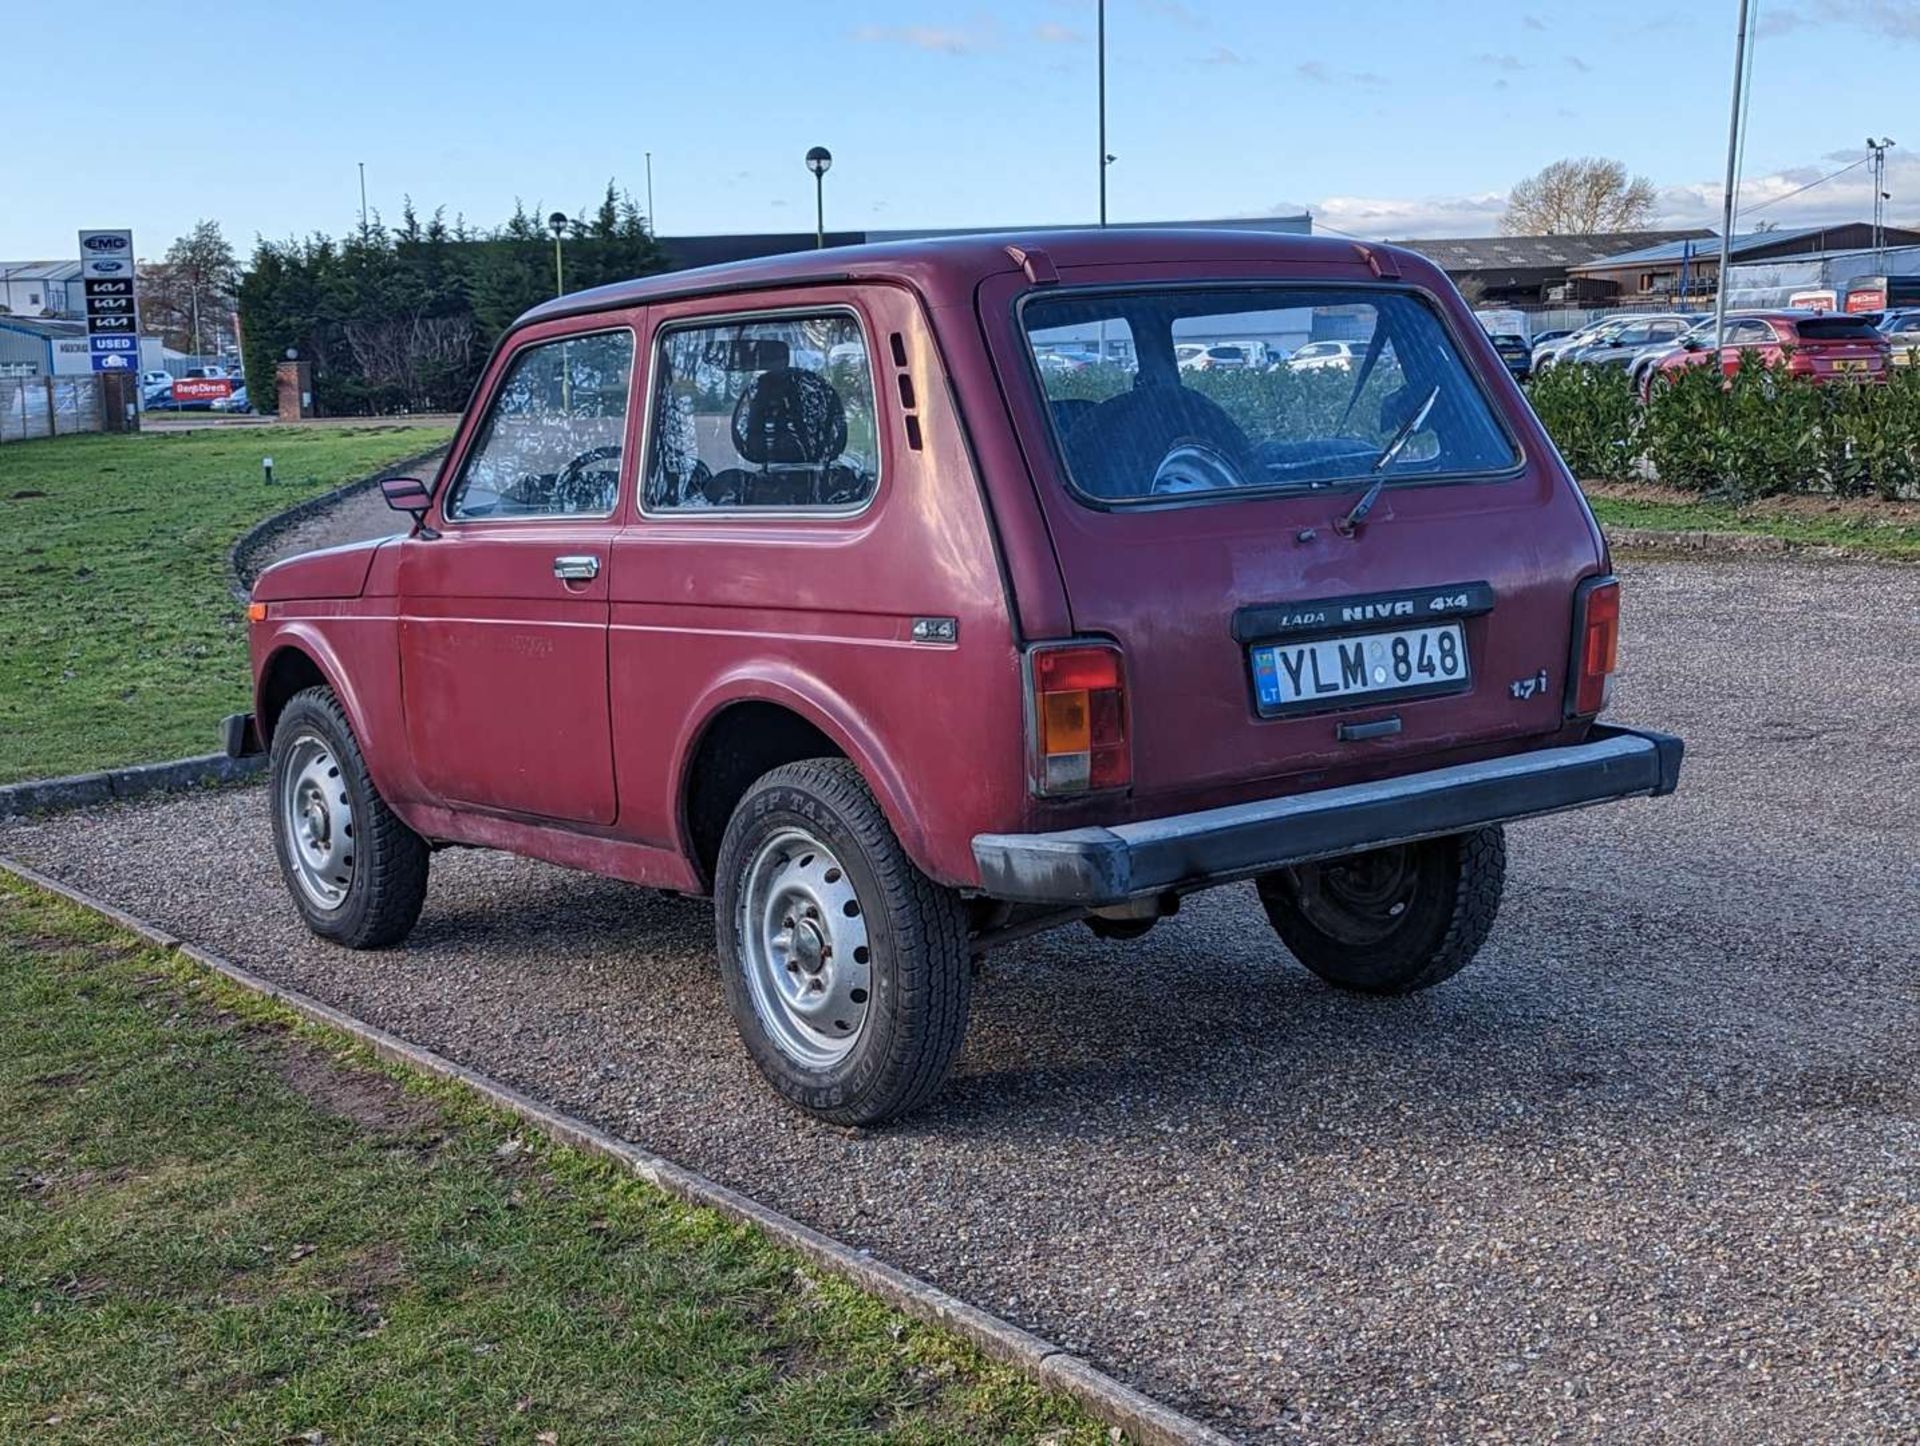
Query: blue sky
point(1389, 119)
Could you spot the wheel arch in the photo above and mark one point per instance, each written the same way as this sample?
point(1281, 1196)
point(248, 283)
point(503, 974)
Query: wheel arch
point(749, 726)
point(300, 658)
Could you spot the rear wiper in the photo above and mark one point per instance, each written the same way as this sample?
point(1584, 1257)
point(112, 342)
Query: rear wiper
point(1348, 525)
point(1405, 434)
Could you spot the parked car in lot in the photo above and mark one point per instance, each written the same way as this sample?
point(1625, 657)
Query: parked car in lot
point(234, 401)
point(1625, 345)
point(1211, 358)
point(905, 660)
point(1547, 353)
point(1823, 346)
point(1324, 356)
point(1902, 331)
point(1515, 353)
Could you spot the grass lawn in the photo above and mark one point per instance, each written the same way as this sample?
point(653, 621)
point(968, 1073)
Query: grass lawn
point(1873, 529)
point(218, 1223)
point(118, 642)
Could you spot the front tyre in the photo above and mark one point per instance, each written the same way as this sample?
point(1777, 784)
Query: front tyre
point(845, 967)
point(1392, 920)
point(357, 874)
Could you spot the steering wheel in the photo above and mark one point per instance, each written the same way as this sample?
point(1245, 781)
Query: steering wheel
point(578, 489)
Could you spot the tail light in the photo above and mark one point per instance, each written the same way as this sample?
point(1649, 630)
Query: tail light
point(1079, 719)
point(1596, 644)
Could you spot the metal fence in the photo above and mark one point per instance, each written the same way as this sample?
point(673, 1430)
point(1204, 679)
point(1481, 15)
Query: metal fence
point(50, 407)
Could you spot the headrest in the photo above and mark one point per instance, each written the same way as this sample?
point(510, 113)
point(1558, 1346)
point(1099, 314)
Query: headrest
point(789, 416)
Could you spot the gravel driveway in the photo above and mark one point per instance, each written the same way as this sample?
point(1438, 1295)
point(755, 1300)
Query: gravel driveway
point(1649, 1170)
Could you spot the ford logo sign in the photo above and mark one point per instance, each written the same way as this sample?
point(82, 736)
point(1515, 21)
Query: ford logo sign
point(106, 243)
point(108, 266)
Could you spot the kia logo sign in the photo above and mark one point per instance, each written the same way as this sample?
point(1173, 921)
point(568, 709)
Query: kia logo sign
point(105, 243)
point(109, 266)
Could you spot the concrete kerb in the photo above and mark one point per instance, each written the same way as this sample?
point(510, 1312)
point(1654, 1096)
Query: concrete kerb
point(1139, 1416)
point(84, 790)
point(241, 568)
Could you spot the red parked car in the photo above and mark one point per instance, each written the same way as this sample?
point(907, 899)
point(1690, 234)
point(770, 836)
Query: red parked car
point(1826, 346)
point(806, 583)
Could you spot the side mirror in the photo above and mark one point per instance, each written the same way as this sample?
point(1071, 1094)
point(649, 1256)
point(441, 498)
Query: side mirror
point(411, 496)
point(406, 494)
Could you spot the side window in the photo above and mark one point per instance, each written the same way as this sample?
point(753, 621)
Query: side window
point(768, 412)
point(551, 444)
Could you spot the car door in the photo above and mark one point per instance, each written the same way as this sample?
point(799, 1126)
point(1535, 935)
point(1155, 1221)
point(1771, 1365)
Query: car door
point(1747, 334)
point(503, 600)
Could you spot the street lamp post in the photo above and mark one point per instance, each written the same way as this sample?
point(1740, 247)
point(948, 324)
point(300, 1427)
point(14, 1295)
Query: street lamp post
point(557, 223)
point(1879, 149)
point(819, 160)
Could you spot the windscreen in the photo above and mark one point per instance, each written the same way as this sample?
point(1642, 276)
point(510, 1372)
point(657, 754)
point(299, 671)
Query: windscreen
point(1160, 393)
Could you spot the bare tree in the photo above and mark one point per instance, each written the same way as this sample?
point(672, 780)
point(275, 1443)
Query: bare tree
point(187, 297)
point(1576, 196)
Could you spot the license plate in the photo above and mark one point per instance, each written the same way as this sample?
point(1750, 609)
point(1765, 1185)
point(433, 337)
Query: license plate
point(1849, 366)
point(1292, 677)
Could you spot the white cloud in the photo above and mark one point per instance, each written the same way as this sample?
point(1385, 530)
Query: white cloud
point(983, 34)
point(1223, 55)
point(1896, 20)
point(1178, 13)
point(1052, 32)
point(1320, 73)
point(1774, 196)
point(1378, 216)
point(1779, 197)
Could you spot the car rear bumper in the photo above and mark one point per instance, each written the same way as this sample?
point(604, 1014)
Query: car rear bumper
point(1098, 866)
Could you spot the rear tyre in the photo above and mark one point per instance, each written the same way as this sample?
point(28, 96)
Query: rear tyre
point(357, 874)
point(1392, 920)
point(845, 967)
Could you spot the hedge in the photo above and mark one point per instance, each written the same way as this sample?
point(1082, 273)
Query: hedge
point(1762, 432)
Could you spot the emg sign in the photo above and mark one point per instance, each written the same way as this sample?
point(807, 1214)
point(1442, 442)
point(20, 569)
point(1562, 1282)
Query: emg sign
point(106, 253)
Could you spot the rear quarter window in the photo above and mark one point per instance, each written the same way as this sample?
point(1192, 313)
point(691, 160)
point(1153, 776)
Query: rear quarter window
point(764, 413)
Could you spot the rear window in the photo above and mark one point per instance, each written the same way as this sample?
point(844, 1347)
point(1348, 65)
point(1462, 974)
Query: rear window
point(1836, 328)
point(1357, 384)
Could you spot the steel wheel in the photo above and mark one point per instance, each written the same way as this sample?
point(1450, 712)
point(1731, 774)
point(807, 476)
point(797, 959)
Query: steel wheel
point(803, 935)
point(316, 819)
point(1358, 900)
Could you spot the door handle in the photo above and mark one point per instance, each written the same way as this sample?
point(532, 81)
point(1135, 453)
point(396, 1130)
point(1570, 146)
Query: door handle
point(582, 568)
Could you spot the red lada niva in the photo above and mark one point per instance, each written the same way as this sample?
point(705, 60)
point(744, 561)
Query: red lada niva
point(910, 599)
